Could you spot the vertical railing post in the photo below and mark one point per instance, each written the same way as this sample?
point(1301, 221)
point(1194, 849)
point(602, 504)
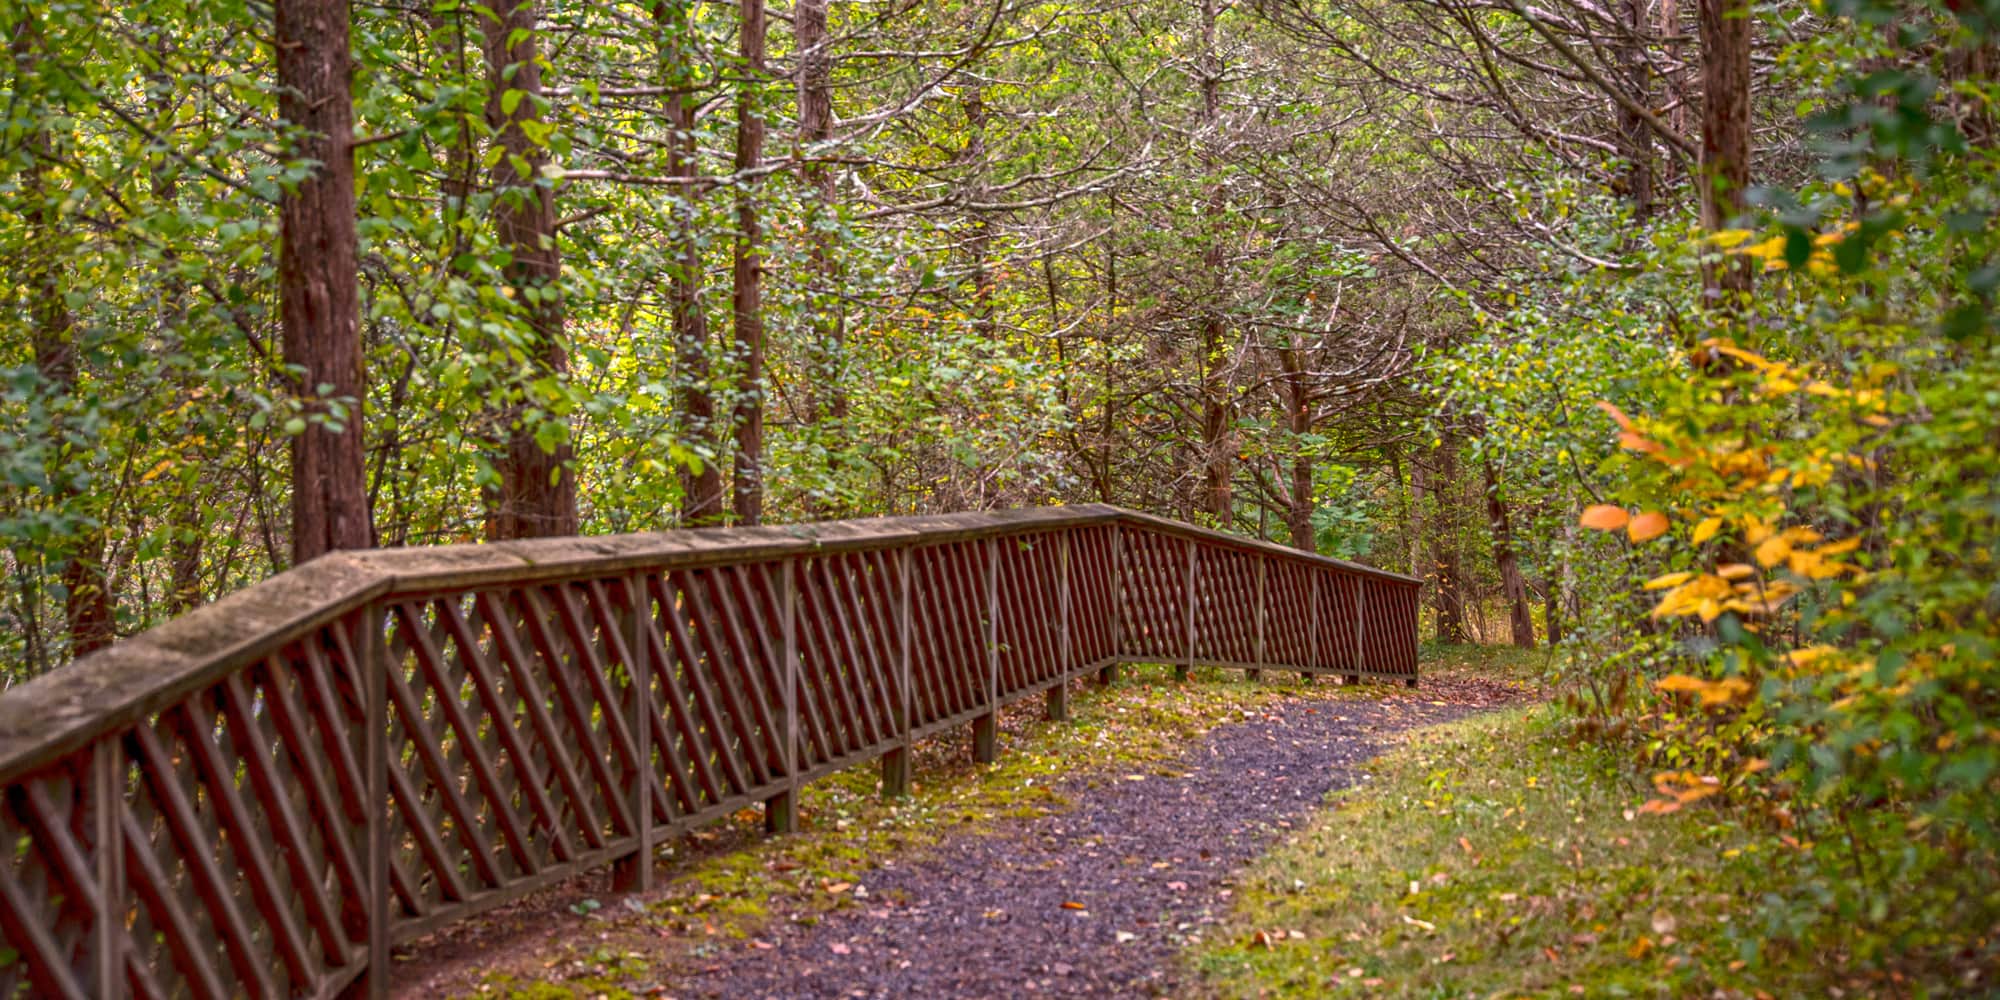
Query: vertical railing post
point(1182, 669)
point(781, 811)
point(896, 763)
point(986, 728)
point(635, 874)
point(1407, 603)
point(1109, 673)
point(1360, 615)
point(1257, 672)
point(1058, 707)
point(107, 805)
point(1313, 575)
point(373, 671)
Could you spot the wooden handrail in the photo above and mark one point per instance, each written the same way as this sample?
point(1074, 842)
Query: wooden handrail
point(265, 794)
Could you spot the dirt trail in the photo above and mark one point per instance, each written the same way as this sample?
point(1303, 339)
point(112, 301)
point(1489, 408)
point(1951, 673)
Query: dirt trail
point(1095, 900)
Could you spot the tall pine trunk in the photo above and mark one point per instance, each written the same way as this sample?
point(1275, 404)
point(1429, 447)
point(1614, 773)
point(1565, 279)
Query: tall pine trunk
point(701, 488)
point(746, 270)
point(536, 496)
point(827, 394)
point(87, 607)
point(1298, 420)
point(318, 292)
point(1520, 621)
point(1725, 138)
point(1217, 430)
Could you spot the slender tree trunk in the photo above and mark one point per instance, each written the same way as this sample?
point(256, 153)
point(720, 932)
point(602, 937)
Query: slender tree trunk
point(1635, 136)
point(1446, 579)
point(88, 612)
point(980, 246)
point(1217, 430)
point(1725, 138)
point(537, 492)
point(1298, 420)
point(701, 489)
point(828, 408)
point(1520, 621)
point(746, 271)
point(318, 292)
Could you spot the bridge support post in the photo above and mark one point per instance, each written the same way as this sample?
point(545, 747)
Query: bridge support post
point(635, 874)
point(107, 804)
point(1109, 673)
point(1256, 673)
point(1058, 706)
point(896, 763)
point(1183, 668)
point(1360, 613)
point(986, 728)
point(781, 811)
point(373, 651)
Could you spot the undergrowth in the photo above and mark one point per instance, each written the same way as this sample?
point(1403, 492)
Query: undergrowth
point(1494, 857)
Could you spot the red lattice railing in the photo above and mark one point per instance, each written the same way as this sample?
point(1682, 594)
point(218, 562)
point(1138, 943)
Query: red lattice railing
point(262, 797)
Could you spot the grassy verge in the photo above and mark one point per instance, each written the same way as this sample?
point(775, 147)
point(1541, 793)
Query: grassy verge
point(1489, 857)
point(729, 882)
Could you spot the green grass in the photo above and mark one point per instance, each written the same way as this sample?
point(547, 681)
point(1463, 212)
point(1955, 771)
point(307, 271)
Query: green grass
point(1491, 857)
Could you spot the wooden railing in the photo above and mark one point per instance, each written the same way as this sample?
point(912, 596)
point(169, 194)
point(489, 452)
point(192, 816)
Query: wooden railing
point(262, 797)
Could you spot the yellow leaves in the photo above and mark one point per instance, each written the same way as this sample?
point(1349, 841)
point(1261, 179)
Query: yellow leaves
point(1650, 525)
point(157, 471)
point(1729, 239)
point(1669, 580)
point(1711, 694)
point(1707, 529)
point(1736, 571)
point(1773, 551)
point(1604, 517)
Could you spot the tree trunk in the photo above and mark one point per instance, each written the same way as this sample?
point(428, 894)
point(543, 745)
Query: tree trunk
point(1299, 420)
point(1446, 580)
point(1725, 139)
point(318, 292)
point(701, 489)
point(1217, 437)
point(746, 271)
point(536, 497)
point(87, 607)
point(1635, 136)
point(827, 394)
point(1515, 589)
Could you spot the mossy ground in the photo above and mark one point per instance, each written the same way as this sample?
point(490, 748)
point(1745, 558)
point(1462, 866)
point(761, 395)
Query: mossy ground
point(725, 883)
point(1492, 857)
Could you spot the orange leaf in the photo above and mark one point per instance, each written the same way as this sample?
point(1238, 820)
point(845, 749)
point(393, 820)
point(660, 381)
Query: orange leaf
point(1604, 517)
point(1624, 422)
point(1650, 525)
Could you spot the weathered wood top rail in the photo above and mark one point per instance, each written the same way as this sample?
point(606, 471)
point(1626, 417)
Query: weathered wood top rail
point(261, 797)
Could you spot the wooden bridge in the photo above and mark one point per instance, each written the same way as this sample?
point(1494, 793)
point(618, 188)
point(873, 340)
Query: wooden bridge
point(262, 797)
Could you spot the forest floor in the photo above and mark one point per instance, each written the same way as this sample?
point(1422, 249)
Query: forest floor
point(1083, 862)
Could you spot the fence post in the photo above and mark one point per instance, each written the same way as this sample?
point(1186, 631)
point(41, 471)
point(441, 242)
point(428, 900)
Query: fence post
point(1257, 672)
point(1360, 615)
point(107, 805)
point(374, 675)
point(781, 811)
point(896, 763)
point(1312, 618)
point(1401, 603)
point(1182, 669)
point(1110, 671)
point(1058, 707)
point(636, 872)
point(986, 728)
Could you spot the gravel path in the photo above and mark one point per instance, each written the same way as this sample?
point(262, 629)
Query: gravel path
point(1092, 901)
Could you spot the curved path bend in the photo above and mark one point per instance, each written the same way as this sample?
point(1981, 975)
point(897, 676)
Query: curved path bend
point(1094, 900)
